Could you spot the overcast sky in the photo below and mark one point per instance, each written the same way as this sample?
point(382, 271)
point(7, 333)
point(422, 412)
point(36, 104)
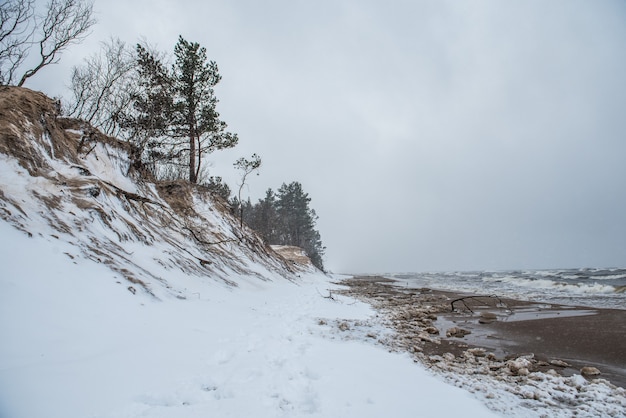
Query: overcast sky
point(430, 135)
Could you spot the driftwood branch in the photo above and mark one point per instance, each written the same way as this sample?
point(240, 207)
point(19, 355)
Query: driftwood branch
point(330, 294)
point(133, 196)
point(201, 241)
point(462, 300)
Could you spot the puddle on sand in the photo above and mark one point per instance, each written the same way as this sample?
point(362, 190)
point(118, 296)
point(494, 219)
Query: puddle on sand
point(541, 312)
point(482, 335)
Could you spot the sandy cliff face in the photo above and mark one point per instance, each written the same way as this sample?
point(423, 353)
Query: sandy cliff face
point(295, 255)
point(64, 180)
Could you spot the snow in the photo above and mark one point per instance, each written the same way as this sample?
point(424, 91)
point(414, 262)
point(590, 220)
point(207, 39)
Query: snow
point(76, 343)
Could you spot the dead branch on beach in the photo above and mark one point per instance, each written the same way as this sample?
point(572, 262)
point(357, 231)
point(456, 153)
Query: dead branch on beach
point(330, 294)
point(499, 304)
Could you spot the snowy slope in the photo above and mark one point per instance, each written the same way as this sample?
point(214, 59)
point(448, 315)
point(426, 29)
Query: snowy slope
point(64, 181)
point(76, 344)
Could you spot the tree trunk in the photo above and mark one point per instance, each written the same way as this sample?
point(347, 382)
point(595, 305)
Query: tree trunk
point(192, 159)
point(199, 148)
point(192, 150)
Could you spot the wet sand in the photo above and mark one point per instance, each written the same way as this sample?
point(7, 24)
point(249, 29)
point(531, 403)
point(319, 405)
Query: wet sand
point(556, 337)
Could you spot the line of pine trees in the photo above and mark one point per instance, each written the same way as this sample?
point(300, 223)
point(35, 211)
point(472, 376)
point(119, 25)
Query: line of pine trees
point(284, 218)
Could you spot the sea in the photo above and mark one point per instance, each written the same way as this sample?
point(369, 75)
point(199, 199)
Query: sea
point(596, 288)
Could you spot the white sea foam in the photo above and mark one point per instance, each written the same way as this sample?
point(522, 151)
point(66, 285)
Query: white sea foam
point(558, 286)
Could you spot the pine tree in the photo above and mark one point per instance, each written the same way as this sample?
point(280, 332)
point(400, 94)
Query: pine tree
point(148, 124)
point(176, 109)
point(195, 114)
point(264, 217)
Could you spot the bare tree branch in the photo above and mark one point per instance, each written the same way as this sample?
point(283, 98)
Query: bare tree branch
point(66, 22)
point(16, 30)
point(103, 87)
point(246, 167)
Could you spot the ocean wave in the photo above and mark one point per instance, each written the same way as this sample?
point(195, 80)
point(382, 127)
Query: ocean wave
point(600, 288)
point(560, 286)
point(578, 274)
point(609, 277)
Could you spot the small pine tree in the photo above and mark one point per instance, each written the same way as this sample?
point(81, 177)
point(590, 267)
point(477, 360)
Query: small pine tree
point(147, 125)
point(217, 186)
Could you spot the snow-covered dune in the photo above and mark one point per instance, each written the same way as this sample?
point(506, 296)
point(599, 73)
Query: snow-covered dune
point(75, 343)
point(64, 181)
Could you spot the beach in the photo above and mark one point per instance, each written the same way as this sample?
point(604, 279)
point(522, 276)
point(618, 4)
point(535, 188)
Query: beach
point(515, 342)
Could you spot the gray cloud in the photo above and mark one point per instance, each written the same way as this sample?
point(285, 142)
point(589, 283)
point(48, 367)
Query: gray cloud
point(430, 135)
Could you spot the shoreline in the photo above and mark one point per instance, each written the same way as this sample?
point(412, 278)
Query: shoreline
point(495, 333)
